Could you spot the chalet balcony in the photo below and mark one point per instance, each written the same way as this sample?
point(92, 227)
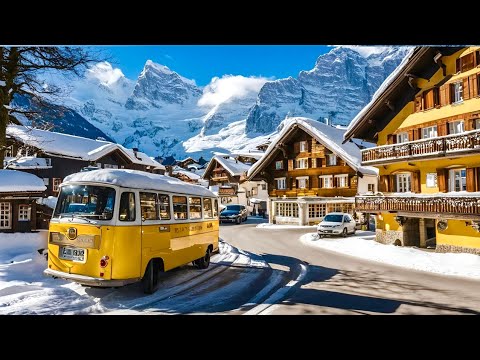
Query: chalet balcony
point(442, 205)
point(323, 192)
point(219, 176)
point(451, 145)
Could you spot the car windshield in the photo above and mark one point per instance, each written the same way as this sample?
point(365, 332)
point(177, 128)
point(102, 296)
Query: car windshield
point(333, 218)
point(233, 207)
point(95, 202)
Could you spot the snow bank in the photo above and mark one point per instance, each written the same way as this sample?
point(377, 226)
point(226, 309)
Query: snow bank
point(282, 227)
point(16, 181)
point(21, 246)
point(465, 265)
point(139, 179)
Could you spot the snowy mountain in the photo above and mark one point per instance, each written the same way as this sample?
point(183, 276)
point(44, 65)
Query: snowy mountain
point(163, 113)
point(340, 84)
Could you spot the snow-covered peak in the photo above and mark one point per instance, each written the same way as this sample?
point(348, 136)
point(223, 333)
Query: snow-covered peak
point(104, 73)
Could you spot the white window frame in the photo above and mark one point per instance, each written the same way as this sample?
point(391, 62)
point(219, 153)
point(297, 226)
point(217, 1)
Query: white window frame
point(55, 186)
point(317, 211)
point(342, 180)
point(279, 165)
point(404, 182)
point(457, 92)
point(431, 180)
point(456, 127)
point(286, 209)
point(452, 180)
point(8, 153)
point(301, 163)
point(303, 146)
point(330, 181)
point(477, 124)
point(429, 132)
point(302, 182)
point(24, 212)
point(402, 137)
point(332, 160)
point(371, 188)
point(5, 215)
point(281, 183)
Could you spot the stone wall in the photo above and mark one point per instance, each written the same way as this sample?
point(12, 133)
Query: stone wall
point(443, 248)
point(388, 236)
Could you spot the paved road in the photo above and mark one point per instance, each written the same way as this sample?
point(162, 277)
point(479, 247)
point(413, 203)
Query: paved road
point(341, 284)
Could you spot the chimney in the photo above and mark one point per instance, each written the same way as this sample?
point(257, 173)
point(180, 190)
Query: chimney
point(135, 151)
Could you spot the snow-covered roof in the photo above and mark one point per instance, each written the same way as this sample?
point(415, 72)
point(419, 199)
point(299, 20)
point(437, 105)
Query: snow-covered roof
point(58, 144)
point(253, 154)
point(331, 137)
point(189, 174)
point(234, 167)
point(138, 179)
point(28, 162)
point(13, 181)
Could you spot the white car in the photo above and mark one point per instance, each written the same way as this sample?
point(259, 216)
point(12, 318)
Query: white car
point(336, 223)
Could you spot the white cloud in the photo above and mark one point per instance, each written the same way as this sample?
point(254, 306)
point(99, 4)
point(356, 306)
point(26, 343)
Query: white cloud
point(230, 87)
point(366, 51)
point(105, 73)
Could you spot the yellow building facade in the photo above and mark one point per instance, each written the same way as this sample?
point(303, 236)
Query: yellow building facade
point(425, 120)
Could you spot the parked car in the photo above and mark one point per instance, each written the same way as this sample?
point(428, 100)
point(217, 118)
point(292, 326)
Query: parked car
point(234, 213)
point(336, 223)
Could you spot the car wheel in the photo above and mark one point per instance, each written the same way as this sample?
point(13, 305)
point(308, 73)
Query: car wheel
point(204, 261)
point(344, 232)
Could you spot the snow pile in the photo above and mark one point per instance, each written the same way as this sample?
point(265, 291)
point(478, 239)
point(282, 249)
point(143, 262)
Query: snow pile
point(282, 227)
point(331, 137)
point(466, 265)
point(139, 179)
point(51, 201)
point(17, 181)
point(21, 246)
point(28, 162)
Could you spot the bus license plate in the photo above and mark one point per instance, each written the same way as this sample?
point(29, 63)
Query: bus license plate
point(74, 254)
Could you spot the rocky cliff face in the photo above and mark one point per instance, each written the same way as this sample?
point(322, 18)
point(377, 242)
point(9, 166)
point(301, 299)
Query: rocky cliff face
point(340, 84)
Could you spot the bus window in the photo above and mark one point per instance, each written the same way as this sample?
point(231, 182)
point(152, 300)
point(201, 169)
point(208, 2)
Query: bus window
point(207, 208)
point(164, 206)
point(179, 207)
point(215, 208)
point(195, 207)
point(147, 203)
point(127, 207)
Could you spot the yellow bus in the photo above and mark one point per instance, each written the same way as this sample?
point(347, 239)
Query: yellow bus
point(113, 227)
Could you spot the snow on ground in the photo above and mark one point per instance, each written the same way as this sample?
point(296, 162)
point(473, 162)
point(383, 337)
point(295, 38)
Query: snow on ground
point(275, 227)
point(25, 290)
point(364, 246)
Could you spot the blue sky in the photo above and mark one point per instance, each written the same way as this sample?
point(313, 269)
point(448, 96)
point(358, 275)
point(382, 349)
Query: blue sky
point(202, 62)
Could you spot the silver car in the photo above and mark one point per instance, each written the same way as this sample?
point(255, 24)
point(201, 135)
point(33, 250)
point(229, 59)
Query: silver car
point(336, 223)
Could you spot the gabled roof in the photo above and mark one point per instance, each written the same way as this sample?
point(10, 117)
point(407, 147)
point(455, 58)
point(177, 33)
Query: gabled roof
point(397, 91)
point(76, 147)
point(327, 135)
point(233, 167)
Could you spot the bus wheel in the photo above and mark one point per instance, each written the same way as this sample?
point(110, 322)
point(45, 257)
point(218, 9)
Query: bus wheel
point(150, 279)
point(203, 262)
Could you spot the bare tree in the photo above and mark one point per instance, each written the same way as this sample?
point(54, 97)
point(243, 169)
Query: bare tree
point(21, 70)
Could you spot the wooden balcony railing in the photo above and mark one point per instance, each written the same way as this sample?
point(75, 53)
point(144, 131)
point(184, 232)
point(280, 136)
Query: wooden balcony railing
point(465, 142)
point(219, 177)
point(440, 204)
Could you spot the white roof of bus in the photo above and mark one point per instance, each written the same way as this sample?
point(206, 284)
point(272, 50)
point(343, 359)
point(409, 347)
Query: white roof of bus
point(138, 180)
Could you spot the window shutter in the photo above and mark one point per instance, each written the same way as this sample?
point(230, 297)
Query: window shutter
point(418, 103)
point(448, 96)
point(471, 179)
point(469, 124)
point(416, 184)
point(320, 182)
point(443, 95)
point(390, 139)
point(442, 129)
point(383, 184)
point(442, 179)
point(419, 134)
point(290, 164)
point(392, 184)
point(457, 65)
point(315, 181)
point(411, 135)
point(307, 185)
point(466, 89)
point(473, 86)
point(296, 147)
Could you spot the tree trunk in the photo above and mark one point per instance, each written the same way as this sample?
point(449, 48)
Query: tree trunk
point(3, 132)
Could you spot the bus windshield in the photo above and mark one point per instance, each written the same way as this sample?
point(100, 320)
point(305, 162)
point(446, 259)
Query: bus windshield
point(95, 202)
